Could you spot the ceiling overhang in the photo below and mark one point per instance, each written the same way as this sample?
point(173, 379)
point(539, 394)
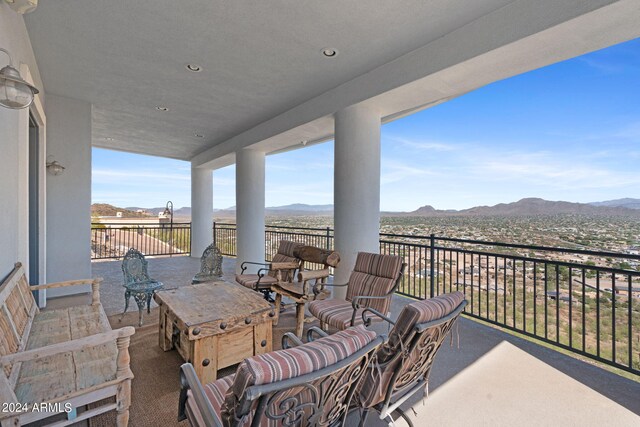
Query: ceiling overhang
point(532, 35)
point(265, 84)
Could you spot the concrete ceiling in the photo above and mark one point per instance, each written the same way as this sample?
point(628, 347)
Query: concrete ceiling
point(265, 81)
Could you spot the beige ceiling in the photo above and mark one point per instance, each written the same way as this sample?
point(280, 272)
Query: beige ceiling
point(259, 58)
point(265, 80)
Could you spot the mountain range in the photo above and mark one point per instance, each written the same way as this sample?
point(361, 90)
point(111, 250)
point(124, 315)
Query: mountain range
point(523, 207)
point(528, 207)
point(621, 203)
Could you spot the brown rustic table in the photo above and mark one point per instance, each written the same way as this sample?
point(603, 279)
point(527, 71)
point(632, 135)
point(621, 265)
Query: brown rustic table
point(214, 325)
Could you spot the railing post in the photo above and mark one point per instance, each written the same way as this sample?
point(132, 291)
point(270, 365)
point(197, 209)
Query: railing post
point(214, 234)
point(432, 252)
point(328, 237)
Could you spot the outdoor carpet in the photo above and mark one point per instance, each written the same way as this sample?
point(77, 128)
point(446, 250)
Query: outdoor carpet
point(156, 386)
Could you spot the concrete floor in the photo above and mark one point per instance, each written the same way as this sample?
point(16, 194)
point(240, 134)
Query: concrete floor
point(492, 377)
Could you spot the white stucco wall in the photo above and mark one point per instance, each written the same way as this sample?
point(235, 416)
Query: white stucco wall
point(69, 194)
point(14, 232)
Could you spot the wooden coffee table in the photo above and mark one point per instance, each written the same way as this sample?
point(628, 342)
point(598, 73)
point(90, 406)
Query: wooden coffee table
point(214, 325)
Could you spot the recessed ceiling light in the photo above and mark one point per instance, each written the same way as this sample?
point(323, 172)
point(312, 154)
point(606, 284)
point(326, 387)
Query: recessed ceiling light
point(193, 68)
point(161, 108)
point(108, 139)
point(330, 52)
point(197, 135)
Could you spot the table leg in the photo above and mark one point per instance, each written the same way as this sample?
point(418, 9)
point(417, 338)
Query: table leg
point(205, 358)
point(262, 338)
point(164, 337)
point(299, 319)
point(277, 308)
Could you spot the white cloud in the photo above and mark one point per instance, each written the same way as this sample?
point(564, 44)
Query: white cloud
point(423, 144)
point(394, 171)
point(546, 169)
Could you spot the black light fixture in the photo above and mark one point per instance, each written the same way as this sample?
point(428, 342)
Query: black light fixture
point(15, 92)
point(168, 210)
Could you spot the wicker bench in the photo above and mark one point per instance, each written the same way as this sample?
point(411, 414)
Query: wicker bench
point(55, 361)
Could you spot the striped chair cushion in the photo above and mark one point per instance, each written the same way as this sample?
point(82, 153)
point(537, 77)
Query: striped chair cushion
point(294, 362)
point(374, 275)
point(373, 388)
point(335, 313)
point(215, 392)
point(287, 247)
point(250, 280)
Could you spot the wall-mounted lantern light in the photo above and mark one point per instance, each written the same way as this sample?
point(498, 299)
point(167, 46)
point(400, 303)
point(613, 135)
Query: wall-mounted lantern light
point(15, 92)
point(53, 167)
point(23, 6)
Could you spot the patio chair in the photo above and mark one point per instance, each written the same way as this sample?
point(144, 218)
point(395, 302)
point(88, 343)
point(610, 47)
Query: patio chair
point(372, 283)
point(210, 265)
point(309, 385)
point(402, 365)
point(137, 282)
point(301, 291)
point(282, 268)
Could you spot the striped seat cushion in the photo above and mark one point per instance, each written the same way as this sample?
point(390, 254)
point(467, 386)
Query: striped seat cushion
point(374, 386)
point(250, 280)
point(215, 392)
point(335, 313)
point(374, 275)
point(284, 364)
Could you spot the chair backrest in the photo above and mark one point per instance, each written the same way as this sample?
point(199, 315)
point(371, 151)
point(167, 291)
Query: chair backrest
point(307, 385)
point(211, 261)
point(285, 253)
point(413, 343)
point(374, 275)
point(17, 310)
point(134, 267)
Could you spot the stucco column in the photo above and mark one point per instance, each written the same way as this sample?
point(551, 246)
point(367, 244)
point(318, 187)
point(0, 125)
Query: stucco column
point(68, 195)
point(250, 207)
point(201, 210)
point(356, 187)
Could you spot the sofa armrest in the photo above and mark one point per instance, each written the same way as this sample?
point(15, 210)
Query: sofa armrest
point(317, 288)
point(189, 381)
point(245, 264)
point(291, 265)
point(367, 319)
point(316, 330)
point(73, 345)
point(95, 287)
point(303, 276)
point(290, 336)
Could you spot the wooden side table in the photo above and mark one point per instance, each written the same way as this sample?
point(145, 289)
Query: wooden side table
point(214, 325)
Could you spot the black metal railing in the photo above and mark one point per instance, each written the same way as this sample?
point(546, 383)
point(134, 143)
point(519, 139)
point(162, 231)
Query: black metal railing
point(578, 300)
point(110, 241)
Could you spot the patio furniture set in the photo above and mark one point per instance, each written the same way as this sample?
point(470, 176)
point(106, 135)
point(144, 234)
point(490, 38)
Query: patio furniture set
point(214, 324)
point(323, 380)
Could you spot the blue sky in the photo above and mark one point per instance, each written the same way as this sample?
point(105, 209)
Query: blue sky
point(569, 131)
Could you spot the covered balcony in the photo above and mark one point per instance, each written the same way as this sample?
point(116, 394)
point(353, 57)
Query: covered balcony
point(220, 83)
